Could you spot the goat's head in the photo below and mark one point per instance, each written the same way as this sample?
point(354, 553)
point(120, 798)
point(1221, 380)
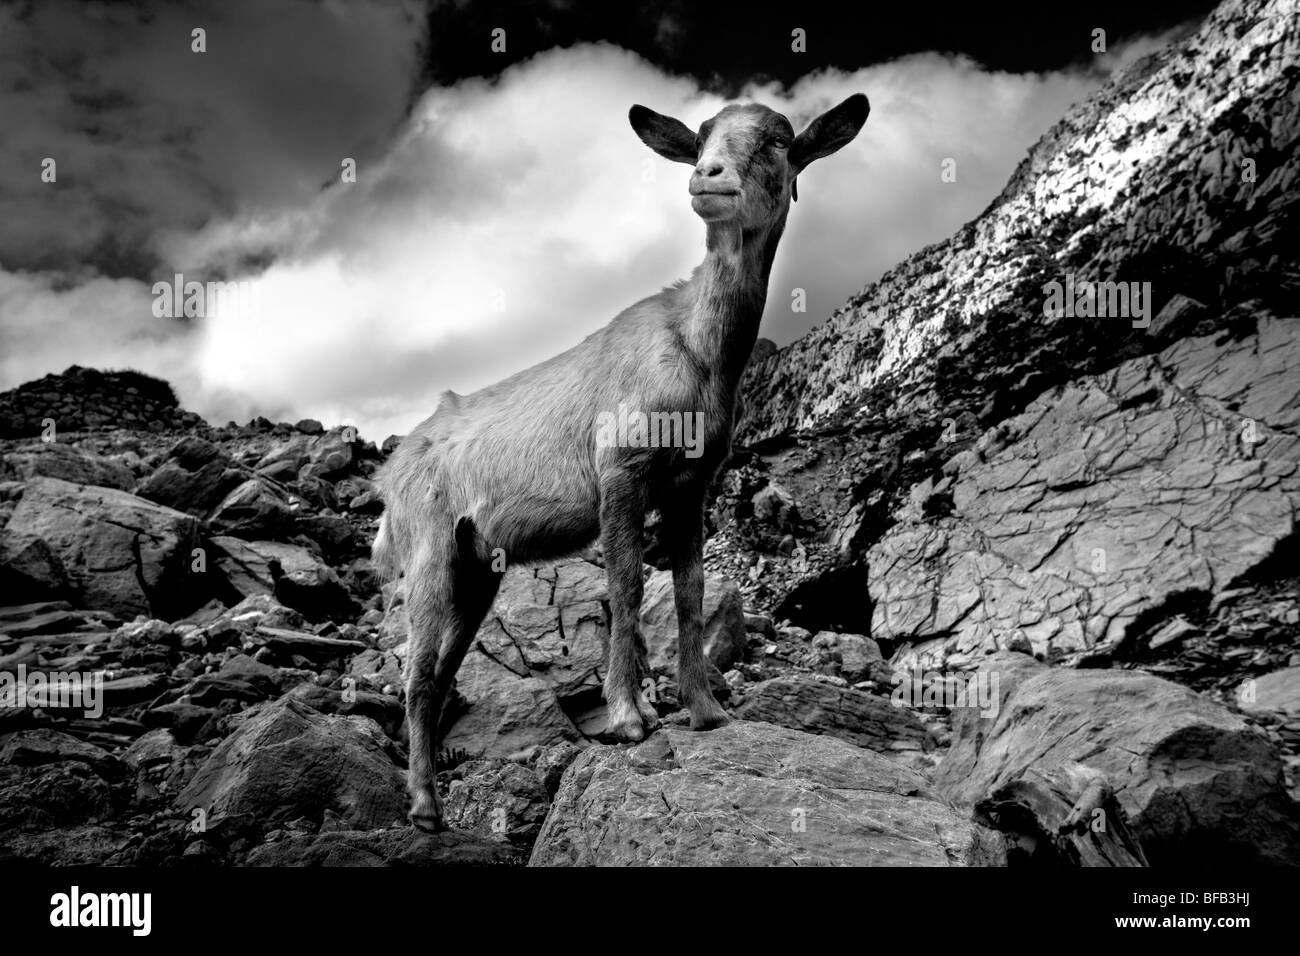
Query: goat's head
point(747, 157)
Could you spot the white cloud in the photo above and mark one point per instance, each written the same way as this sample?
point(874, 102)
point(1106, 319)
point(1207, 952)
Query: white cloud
point(532, 193)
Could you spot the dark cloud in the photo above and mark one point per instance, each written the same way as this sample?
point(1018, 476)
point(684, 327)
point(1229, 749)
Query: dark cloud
point(150, 137)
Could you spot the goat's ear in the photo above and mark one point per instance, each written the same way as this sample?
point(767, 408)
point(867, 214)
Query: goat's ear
point(670, 138)
point(830, 131)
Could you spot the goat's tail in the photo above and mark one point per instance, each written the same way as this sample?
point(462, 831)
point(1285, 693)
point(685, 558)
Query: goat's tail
point(383, 553)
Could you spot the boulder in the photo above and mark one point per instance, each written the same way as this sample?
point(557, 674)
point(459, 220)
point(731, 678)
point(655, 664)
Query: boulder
point(66, 462)
point(318, 455)
point(820, 707)
point(120, 553)
point(854, 657)
point(497, 799)
point(288, 760)
point(292, 573)
point(1200, 785)
point(195, 477)
point(752, 794)
point(255, 508)
point(1065, 815)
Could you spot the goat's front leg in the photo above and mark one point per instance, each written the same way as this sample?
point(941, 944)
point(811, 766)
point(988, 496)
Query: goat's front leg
point(622, 516)
point(684, 537)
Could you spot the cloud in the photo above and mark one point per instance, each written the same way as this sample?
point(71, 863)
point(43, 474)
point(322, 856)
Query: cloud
point(507, 219)
point(151, 137)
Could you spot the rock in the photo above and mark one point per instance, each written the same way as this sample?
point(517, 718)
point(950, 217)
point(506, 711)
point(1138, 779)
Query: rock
point(158, 747)
point(752, 794)
point(817, 707)
point(296, 577)
point(497, 799)
point(404, 846)
point(505, 713)
point(210, 690)
point(1278, 691)
point(1066, 815)
point(309, 426)
point(56, 794)
point(335, 535)
point(65, 462)
point(121, 691)
point(30, 567)
point(378, 668)
point(188, 722)
point(255, 508)
point(1179, 314)
point(724, 623)
point(287, 643)
point(195, 477)
point(775, 506)
point(288, 760)
point(366, 503)
point(120, 553)
point(1198, 783)
point(852, 655)
point(565, 646)
point(142, 632)
point(1086, 517)
point(32, 620)
point(320, 455)
point(258, 610)
point(384, 711)
point(551, 763)
point(241, 667)
point(29, 748)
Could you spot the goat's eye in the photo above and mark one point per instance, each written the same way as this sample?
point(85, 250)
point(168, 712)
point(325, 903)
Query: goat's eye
point(779, 143)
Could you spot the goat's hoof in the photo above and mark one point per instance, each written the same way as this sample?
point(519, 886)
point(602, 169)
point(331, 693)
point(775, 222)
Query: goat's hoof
point(630, 731)
point(710, 719)
point(649, 717)
point(426, 811)
point(428, 822)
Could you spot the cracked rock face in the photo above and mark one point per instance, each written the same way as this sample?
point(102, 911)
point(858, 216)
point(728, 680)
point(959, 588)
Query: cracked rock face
point(120, 553)
point(1199, 785)
point(752, 794)
point(1173, 473)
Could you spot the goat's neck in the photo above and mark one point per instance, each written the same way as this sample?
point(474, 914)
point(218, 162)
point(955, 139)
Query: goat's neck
point(726, 296)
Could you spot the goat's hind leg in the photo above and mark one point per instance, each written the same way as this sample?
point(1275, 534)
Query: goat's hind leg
point(447, 599)
point(684, 533)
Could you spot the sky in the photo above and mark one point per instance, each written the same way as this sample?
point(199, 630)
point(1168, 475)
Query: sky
point(501, 209)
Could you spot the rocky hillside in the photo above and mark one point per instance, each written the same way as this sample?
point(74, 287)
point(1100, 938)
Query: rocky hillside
point(987, 586)
point(941, 442)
